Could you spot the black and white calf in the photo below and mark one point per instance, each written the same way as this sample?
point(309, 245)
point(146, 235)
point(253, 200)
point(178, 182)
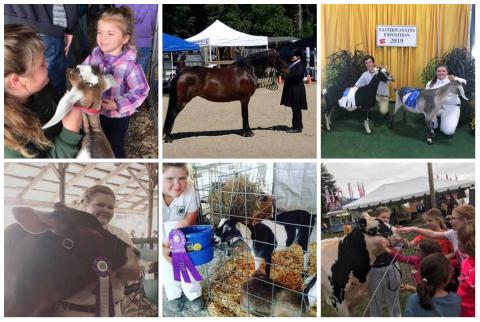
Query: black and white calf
point(268, 236)
point(346, 263)
point(363, 98)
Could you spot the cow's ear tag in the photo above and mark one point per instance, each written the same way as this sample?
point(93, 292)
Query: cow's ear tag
point(30, 220)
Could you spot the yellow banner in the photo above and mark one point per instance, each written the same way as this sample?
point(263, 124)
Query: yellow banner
point(440, 28)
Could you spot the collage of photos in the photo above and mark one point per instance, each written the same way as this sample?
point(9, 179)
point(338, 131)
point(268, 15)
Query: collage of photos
point(277, 125)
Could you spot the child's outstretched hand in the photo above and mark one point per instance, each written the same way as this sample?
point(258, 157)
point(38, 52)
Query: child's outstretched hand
point(110, 105)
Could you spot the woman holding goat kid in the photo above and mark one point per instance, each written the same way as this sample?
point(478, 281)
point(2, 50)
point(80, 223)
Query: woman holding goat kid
point(30, 101)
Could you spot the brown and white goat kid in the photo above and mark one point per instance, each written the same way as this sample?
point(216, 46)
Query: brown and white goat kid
point(88, 85)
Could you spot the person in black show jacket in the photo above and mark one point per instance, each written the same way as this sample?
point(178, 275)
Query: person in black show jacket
point(293, 94)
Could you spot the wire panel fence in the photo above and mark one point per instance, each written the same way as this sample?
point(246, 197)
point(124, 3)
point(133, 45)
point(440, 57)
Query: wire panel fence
point(256, 194)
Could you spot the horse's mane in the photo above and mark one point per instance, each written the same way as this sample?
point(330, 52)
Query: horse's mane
point(255, 57)
point(256, 63)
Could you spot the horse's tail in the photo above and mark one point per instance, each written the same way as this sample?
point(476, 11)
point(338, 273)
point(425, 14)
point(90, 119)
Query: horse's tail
point(172, 102)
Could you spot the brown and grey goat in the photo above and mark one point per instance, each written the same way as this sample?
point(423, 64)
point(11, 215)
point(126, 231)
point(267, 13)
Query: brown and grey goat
point(88, 85)
point(428, 101)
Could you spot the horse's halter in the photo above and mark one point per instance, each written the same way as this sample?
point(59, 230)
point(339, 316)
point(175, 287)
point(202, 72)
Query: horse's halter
point(103, 268)
point(69, 245)
point(375, 231)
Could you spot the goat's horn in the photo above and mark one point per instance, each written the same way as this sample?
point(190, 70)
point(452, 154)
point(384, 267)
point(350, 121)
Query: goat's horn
point(64, 106)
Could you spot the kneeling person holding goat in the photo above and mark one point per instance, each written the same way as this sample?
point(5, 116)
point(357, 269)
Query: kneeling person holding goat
point(429, 102)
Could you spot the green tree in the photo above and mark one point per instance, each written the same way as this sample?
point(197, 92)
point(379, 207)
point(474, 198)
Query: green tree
point(270, 20)
point(327, 181)
point(235, 16)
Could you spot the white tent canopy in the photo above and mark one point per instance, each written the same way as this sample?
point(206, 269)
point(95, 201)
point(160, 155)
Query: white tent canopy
point(220, 35)
point(413, 188)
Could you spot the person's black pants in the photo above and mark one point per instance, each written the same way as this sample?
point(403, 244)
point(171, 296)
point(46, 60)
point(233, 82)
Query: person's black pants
point(297, 119)
point(116, 130)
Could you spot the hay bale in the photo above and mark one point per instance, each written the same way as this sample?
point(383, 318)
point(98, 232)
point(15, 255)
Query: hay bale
point(237, 197)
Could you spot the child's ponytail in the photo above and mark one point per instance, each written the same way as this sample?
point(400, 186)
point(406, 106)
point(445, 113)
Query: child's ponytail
point(435, 272)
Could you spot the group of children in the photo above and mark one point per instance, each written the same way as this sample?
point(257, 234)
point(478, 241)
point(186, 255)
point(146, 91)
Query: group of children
point(443, 268)
point(27, 106)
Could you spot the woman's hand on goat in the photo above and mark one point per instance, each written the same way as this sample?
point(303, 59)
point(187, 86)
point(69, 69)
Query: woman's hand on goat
point(110, 105)
point(73, 120)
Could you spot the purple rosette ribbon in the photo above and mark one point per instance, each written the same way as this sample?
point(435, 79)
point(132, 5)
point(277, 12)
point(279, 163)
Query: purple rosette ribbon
point(180, 260)
point(103, 291)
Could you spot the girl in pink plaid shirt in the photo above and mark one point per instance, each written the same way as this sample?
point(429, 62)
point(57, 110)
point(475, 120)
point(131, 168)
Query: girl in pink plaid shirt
point(116, 55)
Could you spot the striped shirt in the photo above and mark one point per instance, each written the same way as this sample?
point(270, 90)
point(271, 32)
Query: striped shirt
point(59, 15)
point(132, 89)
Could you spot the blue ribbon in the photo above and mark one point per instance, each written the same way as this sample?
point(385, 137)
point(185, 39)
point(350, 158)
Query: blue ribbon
point(412, 99)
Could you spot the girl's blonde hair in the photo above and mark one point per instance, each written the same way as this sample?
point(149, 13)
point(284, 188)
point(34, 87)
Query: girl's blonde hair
point(90, 193)
point(466, 238)
point(22, 46)
point(381, 210)
point(183, 166)
point(436, 215)
point(124, 17)
point(466, 212)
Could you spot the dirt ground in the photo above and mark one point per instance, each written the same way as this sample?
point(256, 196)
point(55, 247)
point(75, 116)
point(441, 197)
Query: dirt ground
point(213, 130)
point(141, 141)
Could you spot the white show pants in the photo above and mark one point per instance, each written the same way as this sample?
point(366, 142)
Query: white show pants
point(449, 116)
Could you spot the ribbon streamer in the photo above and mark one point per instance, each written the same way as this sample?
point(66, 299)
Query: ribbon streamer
point(181, 262)
point(103, 291)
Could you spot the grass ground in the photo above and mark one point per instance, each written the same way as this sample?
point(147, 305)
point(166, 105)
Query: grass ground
point(347, 138)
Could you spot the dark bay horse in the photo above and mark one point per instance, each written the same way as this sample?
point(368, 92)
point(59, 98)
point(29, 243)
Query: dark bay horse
point(235, 82)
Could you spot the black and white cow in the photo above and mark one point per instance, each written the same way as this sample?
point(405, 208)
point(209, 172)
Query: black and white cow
point(346, 262)
point(268, 236)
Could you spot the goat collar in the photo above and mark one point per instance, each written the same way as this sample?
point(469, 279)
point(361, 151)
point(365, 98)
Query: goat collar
point(89, 111)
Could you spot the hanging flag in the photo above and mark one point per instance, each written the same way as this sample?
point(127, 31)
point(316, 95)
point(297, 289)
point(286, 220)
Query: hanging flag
point(328, 198)
point(446, 176)
point(339, 193)
point(456, 178)
point(350, 191)
point(363, 190)
point(359, 190)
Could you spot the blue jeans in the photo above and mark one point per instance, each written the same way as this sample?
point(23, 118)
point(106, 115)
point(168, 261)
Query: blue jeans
point(115, 130)
point(143, 57)
point(55, 56)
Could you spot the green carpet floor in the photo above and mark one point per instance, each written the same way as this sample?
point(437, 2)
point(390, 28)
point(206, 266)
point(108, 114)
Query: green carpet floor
point(347, 138)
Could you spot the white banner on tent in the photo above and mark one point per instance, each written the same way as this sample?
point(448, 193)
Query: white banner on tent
point(396, 36)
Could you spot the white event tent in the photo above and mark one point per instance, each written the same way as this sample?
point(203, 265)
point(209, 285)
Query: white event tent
point(219, 34)
point(404, 190)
